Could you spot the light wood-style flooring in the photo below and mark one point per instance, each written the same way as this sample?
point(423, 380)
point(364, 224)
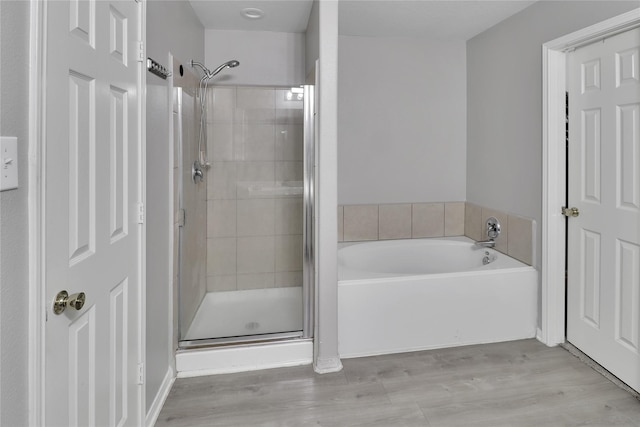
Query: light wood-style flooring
point(520, 383)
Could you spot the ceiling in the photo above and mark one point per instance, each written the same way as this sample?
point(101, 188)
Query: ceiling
point(287, 16)
point(444, 20)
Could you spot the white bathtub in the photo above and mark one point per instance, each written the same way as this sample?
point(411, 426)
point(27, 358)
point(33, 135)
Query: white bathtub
point(406, 295)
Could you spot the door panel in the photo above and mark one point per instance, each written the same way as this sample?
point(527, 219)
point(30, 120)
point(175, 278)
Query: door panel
point(590, 280)
point(603, 294)
point(92, 242)
point(627, 298)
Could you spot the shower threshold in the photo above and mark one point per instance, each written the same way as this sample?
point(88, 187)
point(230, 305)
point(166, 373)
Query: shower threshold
point(243, 340)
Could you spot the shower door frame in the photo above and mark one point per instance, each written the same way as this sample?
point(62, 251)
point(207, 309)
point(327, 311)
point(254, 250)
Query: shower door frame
point(308, 244)
point(308, 209)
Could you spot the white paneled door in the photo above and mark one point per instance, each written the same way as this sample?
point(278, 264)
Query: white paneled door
point(92, 191)
point(603, 299)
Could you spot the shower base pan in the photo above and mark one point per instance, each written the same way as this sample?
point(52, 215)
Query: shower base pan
point(227, 317)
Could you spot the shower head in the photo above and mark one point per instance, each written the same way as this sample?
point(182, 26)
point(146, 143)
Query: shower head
point(229, 64)
point(208, 74)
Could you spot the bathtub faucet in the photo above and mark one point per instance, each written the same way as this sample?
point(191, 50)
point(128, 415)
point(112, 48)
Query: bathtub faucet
point(486, 243)
point(493, 231)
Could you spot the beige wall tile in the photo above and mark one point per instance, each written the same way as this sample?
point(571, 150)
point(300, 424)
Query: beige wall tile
point(520, 240)
point(473, 221)
point(256, 254)
point(360, 222)
point(220, 142)
point(256, 281)
point(254, 174)
point(255, 115)
point(427, 220)
point(288, 253)
point(221, 221)
point(290, 116)
point(289, 142)
point(221, 104)
point(503, 218)
point(221, 180)
point(454, 219)
point(256, 171)
point(255, 105)
point(221, 283)
point(256, 97)
point(394, 221)
point(289, 171)
point(340, 223)
point(254, 142)
point(256, 217)
point(286, 279)
point(288, 215)
point(221, 256)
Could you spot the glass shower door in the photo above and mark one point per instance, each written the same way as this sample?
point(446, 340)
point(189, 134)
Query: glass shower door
point(190, 199)
point(259, 217)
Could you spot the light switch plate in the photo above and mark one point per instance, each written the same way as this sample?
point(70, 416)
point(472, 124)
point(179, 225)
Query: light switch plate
point(8, 163)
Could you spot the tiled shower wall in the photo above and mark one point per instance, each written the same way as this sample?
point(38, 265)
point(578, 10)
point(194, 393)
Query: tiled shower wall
point(254, 189)
point(446, 219)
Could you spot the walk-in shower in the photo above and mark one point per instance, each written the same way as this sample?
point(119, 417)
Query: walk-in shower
point(245, 258)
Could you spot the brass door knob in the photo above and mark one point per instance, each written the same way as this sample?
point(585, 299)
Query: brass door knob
point(570, 212)
point(64, 300)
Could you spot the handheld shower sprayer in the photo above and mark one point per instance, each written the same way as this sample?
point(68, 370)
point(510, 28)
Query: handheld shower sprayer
point(202, 162)
point(208, 74)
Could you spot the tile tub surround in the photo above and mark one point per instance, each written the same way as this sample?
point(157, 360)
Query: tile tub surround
point(358, 223)
point(254, 199)
point(400, 221)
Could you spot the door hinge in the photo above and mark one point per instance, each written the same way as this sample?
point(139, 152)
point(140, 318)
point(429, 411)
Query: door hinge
point(140, 52)
point(140, 373)
point(140, 213)
point(182, 217)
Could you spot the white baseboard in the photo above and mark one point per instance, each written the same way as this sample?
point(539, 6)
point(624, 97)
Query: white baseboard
point(227, 360)
point(161, 397)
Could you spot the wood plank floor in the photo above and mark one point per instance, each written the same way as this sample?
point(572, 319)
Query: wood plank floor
point(520, 383)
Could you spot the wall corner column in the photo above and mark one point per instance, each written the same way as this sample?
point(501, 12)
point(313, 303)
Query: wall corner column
point(326, 358)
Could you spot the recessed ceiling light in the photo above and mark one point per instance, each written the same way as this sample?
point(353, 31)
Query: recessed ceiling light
point(252, 13)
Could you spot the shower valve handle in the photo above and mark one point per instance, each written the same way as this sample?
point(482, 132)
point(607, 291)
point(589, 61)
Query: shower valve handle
point(196, 172)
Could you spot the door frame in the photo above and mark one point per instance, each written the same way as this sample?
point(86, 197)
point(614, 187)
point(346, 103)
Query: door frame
point(553, 325)
point(38, 306)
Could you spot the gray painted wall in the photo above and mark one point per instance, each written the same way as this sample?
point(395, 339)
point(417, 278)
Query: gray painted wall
point(172, 27)
point(266, 58)
point(402, 120)
point(14, 237)
point(504, 103)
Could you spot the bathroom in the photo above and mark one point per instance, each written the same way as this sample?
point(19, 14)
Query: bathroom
point(458, 132)
point(448, 112)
